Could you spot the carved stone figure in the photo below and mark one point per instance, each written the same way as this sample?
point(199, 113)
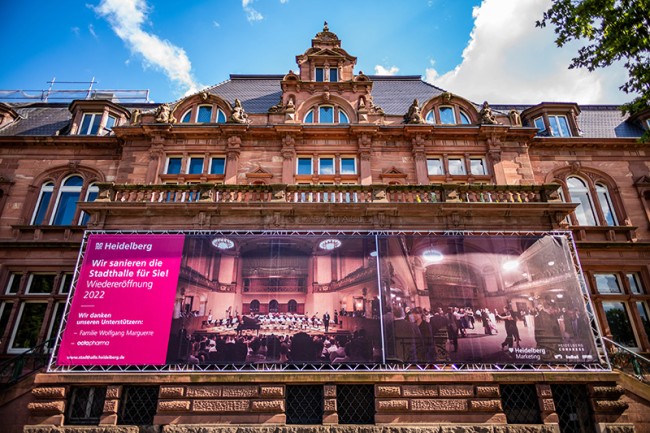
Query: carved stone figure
point(413, 116)
point(136, 117)
point(164, 114)
point(238, 114)
point(487, 117)
point(515, 118)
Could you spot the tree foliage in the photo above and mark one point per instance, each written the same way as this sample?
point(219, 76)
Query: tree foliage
point(613, 31)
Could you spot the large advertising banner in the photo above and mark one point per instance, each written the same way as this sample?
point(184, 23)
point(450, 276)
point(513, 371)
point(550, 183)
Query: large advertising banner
point(483, 299)
point(273, 298)
point(123, 301)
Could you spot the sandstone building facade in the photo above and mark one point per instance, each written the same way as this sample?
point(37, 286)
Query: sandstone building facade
point(324, 149)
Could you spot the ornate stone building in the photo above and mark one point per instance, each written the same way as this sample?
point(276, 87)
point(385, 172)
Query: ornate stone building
point(328, 149)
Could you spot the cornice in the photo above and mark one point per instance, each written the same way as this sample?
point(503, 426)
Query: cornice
point(562, 142)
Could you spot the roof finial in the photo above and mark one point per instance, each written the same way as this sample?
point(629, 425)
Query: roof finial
point(325, 28)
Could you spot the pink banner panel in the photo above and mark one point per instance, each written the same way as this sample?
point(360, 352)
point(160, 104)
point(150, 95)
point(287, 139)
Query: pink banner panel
point(123, 302)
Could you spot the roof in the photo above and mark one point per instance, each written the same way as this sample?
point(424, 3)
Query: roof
point(258, 93)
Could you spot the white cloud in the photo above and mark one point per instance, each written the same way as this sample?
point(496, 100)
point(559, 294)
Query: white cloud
point(91, 29)
point(216, 24)
point(509, 60)
point(251, 14)
point(75, 30)
point(380, 70)
point(284, 1)
point(127, 18)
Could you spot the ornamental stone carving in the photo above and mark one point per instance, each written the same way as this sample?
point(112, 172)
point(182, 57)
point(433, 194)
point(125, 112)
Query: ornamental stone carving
point(413, 116)
point(515, 118)
point(164, 114)
point(487, 117)
point(238, 114)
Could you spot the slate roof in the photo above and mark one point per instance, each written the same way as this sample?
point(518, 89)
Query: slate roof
point(258, 93)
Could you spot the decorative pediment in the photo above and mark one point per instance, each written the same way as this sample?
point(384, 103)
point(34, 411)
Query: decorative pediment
point(392, 173)
point(259, 173)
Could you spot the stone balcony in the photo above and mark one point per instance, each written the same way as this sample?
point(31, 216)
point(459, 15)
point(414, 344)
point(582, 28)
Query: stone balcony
point(340, 194)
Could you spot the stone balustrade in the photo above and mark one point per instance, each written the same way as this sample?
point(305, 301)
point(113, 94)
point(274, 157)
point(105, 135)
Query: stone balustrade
point(339, 194)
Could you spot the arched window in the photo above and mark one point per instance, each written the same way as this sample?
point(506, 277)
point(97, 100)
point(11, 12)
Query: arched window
point(255, 306)
point(292, 306)
point(273, 306)
point(606, 206)
point(430, 117)
point(464, 118)
point(205, 114)
point(447, 116)
point(63, 211)
point(326, 114)
point(43, 203)
point(66, 203)
point(91, 195)
point(579, 193)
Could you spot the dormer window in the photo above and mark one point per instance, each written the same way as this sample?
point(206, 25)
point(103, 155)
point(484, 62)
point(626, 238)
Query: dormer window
point(320, 75)
point(90, 123)
point(326, 114)
point(204, 114)
point(96, 117)
point(334, 75)
point(558, 124)
point(553, 119)
point(446, 115)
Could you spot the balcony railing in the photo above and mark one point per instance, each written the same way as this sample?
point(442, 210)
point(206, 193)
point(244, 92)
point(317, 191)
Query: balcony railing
point(338, 194)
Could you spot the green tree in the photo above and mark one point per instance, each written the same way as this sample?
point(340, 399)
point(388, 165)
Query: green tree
point(613, 30)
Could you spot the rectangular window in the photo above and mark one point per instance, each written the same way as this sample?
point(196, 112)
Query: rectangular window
point(110, 122)
point(27, 327)
point(559, 126)
point(174, 164)
point(326, 114)
point(55, 321)
point(520, 404)
point(304, 166)
point(355, 404)
point(608, 283)
point(456, 166)
point(66, 283)
point(304, 404)
point(320, 74)
point(619, 324)
point(635, 284)
point(326, 166)
point(348, 166)
point(90, 124)
point(539, 124)
point(40, 284)
point(43, 204)
point(642, 308)
point(477, 166)
point(13, 284)
point(218, 166)
point(434, 167)
point(195, 166)
point(5, 311)
point(138, 405)
point(334, 75)
point(85, 405)
point(205, 114)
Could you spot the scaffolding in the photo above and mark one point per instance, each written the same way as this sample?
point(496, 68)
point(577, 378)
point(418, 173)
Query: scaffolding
point(77, 90)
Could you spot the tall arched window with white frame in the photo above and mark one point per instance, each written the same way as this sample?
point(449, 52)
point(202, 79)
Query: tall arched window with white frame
point(579, 193)
point(66, 202)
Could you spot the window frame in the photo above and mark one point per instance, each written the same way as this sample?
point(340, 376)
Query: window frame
point(332, 165)
point(211, 164)
point(63, 189)
point(92, 124)
point(10, 349)
point(189, 165)
point(180, 167)
point(311, 165)
point(594, 192)
point(354, 163)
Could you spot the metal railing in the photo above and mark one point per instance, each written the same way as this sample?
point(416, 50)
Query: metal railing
point(628, 361)
point(339, 194)
point(31, 361)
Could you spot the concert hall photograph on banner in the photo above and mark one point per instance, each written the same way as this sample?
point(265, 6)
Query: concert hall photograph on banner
point(482, 299)
point(252, 299)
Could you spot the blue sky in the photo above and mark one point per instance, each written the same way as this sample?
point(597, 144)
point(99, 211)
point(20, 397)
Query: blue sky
point(482, 50)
